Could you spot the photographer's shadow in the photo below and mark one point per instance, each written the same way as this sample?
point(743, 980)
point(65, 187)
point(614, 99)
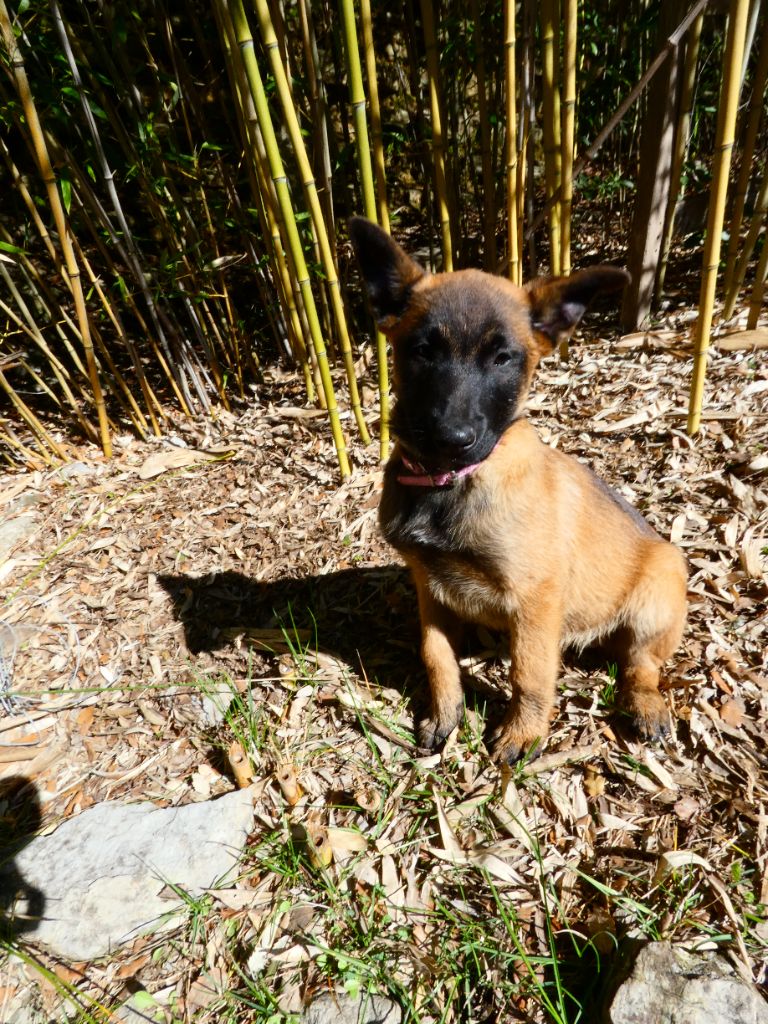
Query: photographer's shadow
point(365, 617)
point(21, 904)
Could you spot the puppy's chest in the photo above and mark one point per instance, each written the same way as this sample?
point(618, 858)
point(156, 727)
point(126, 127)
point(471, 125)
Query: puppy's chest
point(456, 537)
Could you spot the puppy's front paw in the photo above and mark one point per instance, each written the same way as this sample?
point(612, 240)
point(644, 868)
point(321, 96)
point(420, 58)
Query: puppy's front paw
point(649, 712)
point(511, 741)
point(432, 731)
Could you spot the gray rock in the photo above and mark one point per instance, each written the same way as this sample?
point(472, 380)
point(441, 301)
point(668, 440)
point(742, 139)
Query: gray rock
point(669, 985)
point(102, 877)
point(340, 1008)
point(71, 470)
point(12, 531)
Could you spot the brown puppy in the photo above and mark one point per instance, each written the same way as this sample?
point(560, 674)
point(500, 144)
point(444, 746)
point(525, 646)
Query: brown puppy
point(496, 527)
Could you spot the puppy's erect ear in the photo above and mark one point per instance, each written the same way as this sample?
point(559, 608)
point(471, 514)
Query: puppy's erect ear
point(389, 273)
point(558, 303)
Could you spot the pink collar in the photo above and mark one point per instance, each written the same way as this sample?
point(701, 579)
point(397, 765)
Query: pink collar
point(418, 477)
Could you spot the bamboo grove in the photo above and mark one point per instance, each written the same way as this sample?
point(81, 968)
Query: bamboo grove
point(176, 180)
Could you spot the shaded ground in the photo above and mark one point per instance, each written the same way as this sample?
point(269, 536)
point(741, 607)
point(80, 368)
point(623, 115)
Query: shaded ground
point(133, 600)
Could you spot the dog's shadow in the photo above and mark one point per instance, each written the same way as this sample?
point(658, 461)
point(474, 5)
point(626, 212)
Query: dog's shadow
point(21, 904)
point(365, 617)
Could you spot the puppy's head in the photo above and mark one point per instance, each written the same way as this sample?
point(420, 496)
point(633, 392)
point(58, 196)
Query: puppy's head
point(465, 344)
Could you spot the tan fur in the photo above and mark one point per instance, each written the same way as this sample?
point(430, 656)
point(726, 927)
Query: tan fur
point(569, 568)
point(535, 544)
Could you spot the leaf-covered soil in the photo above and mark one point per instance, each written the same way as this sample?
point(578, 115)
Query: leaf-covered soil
point(149, 598)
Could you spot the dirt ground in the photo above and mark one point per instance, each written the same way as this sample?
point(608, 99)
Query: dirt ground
point(147, 583)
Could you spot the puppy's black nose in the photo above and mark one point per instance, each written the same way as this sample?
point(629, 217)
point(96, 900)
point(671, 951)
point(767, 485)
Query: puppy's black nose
point(460, 437)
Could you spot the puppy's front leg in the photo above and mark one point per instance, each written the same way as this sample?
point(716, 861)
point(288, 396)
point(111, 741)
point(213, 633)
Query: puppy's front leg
point(535, 652)
point(440, 637)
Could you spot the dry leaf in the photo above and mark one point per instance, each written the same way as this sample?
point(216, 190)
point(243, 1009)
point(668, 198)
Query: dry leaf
point(594, 782)
point(741, 341)
point(673, 860)
point(177, 458)
point(346, 840)
point(732, 712)
point(206, 989)
point(452, 847)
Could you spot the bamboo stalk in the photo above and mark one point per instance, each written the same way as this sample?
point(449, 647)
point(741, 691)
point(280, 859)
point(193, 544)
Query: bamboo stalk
point(29, 417)
point(267, 206)
point(357, 99)
point(489, 198)
point(758, 288)
point(438, 142)
point(551, 115)
point(319, 107)
point(527, 158)
point(109, 181)
point(176, 354)
point(310, 191)
point(377, 135)
point(755, 226)
point(268, 209)
point(570, 10)
point(54, 199)
point(285, 84)
point(682, 134)
point(626, 104)
point(510, 143)
point(755, 113)
point(726, 123)
point(31, 457)
point(245, 42)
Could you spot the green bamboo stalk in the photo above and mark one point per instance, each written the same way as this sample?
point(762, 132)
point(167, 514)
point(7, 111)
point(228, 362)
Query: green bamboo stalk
point(511, 144)
point(489, 198)
point(551, 116)
point(526, 184)
point(357, 100)
point(570, 11)
point(358, 103)
point(377, 135)
point(57, 209)
point(276, 24)
point(726, 124)
point(755, 113)
point(438, 142)
point(266, 202)
point(245, 42)
point(316, 212)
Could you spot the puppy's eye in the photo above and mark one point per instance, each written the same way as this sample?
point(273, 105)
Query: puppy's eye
point(423, 350)
point(427, 347)
point(509, 357)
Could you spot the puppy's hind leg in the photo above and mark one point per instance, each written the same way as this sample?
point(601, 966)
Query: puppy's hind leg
point(441, 632)
point(652, 632)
